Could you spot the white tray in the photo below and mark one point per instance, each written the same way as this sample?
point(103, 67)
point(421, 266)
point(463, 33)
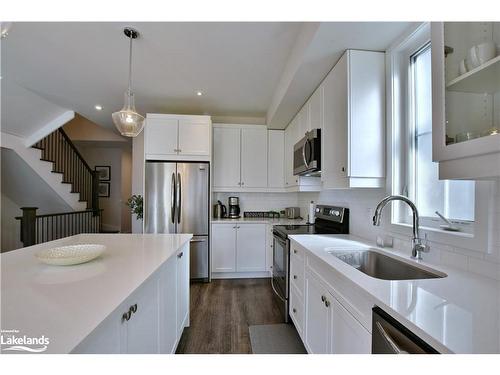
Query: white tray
point(68, 255)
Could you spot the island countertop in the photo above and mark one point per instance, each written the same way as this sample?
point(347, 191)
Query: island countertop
point(66, 303)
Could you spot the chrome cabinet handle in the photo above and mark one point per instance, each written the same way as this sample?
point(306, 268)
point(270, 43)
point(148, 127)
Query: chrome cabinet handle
point(133, 308)
point(327, 303)
point(389, 339)
point(242, 183)
point(295, 277)
point(294, 310)
point(295, 251)
point(180, 255)
point(126, 316)
point(323, 298)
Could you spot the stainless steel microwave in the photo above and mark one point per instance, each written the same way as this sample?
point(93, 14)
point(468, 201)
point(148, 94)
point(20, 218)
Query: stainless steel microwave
point(307, 155)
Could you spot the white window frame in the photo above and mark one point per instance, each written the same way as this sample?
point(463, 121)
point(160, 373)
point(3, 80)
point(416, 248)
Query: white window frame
point(397, 59)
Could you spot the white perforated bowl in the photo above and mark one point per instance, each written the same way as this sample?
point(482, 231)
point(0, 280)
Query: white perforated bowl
point(68, 255)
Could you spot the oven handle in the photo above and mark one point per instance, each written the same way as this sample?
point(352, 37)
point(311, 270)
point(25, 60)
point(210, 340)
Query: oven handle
point(275, 291)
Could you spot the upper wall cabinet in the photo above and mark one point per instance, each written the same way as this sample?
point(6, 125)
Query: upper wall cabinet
point(240, 157)
point(353, 137)
point(276, 160)
point(466, 99)
point(177, 137)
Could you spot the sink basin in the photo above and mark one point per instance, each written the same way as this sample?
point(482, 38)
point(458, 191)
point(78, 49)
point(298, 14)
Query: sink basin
point(380, 266)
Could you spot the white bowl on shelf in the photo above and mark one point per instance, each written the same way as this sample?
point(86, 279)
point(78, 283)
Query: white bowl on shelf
point(70, 255)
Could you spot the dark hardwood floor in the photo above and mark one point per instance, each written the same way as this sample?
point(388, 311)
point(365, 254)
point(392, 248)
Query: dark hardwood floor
point(221, 312)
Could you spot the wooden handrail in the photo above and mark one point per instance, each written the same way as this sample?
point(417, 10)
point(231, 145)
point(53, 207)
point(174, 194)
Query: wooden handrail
point(73, 147)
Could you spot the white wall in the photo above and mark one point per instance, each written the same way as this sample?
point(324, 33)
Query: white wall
point(11, 228)
point(112, 206)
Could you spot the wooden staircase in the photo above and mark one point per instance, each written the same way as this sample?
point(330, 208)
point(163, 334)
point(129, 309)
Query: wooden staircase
point(58, 149)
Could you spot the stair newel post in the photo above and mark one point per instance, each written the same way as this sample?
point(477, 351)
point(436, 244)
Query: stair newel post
point(95, 192)
point(28, 226)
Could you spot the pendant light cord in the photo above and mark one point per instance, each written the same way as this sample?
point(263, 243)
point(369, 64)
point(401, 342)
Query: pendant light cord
point(130, 67)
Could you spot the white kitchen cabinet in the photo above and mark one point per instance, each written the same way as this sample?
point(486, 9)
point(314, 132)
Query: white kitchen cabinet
point(297, 311)
point(304, 121)
point(223, 247)
point(348, 336)
point(226, 156)
point(353, 135)
point(151, 320)
point(318, 317)
point(291, 137)
point(168, 306)
point(182, 258)
point(194, 137)
point(253, 157)
point(177, 137)
point(239, 250)
point(276, 159)
point(316, 107)
point(141, 331)
point(240, 157)
point(465, 108)
point(250, 247)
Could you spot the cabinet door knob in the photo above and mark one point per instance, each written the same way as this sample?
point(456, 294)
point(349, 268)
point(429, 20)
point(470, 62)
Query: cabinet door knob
point(180, 255)
point(242, 183)
point(327, 303)
point(323, 298)
point(294, 310)
point(295, 251)
point(133, 308)
point(295, 277)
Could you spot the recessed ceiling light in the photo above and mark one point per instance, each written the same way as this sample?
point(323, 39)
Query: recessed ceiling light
point(98, 107)
point(199, 93)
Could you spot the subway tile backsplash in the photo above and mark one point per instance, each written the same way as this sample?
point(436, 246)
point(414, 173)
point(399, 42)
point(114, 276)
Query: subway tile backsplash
point(362, 202)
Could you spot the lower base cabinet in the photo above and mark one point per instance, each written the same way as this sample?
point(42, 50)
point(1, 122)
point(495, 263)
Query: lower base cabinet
point(329, 327)
point(239, 249)
point(151, 320)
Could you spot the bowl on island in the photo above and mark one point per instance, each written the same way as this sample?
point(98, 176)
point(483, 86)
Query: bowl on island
point(70, 255)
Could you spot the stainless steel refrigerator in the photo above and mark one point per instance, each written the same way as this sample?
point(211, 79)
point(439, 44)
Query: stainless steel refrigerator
point(176, 200)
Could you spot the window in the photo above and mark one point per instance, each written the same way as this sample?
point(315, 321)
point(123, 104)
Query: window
point(418, 175)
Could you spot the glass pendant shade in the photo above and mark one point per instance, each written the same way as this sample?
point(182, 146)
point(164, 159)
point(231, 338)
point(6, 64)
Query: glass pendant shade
point(128, 122)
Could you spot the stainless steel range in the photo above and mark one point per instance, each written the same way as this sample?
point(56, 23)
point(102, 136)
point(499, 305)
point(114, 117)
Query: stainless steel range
point(329, 220)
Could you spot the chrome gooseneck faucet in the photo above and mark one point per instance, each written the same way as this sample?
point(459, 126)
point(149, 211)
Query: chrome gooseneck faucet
point(418, 247)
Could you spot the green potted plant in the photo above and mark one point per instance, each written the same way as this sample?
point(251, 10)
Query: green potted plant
point(135, 204)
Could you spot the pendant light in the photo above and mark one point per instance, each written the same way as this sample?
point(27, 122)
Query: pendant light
point(128, 122)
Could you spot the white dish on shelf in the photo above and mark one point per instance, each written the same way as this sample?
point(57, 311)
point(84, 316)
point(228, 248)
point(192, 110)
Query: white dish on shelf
point(70, 255)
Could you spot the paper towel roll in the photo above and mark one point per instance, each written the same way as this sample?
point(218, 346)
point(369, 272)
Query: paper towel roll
point(312, 211)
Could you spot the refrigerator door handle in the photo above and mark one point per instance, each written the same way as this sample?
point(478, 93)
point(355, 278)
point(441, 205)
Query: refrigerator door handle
point(172, 198)
point(179, 193)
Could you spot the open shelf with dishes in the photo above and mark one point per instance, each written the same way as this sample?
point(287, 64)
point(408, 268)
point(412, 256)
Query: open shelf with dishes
point(483, 79)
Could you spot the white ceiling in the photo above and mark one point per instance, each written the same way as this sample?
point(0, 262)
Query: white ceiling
point(77, 65)
point(238, 66)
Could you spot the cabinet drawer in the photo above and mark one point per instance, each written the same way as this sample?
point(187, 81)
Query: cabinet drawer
point(297, 274)
point(297, 311)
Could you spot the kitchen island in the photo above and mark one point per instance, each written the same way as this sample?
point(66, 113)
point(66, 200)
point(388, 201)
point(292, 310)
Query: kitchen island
point(134, 298)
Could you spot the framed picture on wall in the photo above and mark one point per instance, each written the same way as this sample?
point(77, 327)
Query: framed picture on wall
point(104, 172)
point(104, 189)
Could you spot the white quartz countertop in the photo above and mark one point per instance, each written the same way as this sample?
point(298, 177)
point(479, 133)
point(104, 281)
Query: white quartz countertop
point(459, 313)
point(262, 220)
point(66, 303)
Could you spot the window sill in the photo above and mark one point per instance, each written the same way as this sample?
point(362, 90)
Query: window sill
point(437, 230)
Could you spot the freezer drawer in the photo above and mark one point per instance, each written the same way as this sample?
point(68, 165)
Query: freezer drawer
point(199, 258)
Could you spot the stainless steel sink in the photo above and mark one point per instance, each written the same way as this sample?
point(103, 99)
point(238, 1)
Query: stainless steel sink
point(383, 267)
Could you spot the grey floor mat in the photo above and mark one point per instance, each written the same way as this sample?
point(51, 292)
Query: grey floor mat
point(275, 339)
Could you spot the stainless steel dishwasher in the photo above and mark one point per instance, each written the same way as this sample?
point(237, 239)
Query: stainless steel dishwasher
point(391, 337)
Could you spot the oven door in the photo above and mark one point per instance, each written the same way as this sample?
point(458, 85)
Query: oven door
point(279, 281)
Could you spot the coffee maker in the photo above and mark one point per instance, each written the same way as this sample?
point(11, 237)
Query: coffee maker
point(234, 207)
